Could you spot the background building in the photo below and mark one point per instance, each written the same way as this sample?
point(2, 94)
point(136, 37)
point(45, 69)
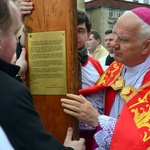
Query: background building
point(80, 4)
point(138, 1)
point(104, 13)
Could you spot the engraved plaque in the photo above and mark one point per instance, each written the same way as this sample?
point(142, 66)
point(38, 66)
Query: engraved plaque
point(47, 63)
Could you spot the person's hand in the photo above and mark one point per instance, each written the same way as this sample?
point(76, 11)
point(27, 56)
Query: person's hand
point(25, 7)
point(23, 65)
point(13, 61)
point(78, 107)
point(75, 144)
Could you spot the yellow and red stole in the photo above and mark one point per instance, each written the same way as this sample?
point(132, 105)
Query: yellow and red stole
point(111, 81)
point(132, 130)
point(105, 80)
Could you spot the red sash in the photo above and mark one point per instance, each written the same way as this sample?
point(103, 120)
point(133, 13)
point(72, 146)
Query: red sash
point(132, 130)
point(96, 65)
point(109, 78)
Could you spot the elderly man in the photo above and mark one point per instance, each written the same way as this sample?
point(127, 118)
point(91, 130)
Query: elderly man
point(126, 123)
point(20, 124)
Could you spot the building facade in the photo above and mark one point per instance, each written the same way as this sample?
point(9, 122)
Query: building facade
point(104, 13)
point(80, 5)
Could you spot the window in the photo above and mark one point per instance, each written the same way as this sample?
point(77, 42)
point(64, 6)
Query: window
point(111, 26)
point(146, 1)
point(118, 13)
point(111, 13)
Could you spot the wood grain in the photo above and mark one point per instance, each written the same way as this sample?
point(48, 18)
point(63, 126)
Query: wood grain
point(56, 15)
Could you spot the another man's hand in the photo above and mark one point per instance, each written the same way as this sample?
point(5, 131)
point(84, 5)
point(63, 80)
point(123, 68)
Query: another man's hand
point(75, 144)
point(25, 7)
point(23, 65)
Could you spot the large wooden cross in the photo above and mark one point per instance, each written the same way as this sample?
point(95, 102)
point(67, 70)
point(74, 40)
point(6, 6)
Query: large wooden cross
point(51, 45)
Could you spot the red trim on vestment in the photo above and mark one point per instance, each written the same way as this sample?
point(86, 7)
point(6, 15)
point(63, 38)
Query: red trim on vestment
point(96, 65)
point(104, 82)
point(109, 100)
point(126, 135)
point(132, 130)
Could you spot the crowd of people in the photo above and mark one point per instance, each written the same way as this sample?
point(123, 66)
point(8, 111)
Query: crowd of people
point(126, 89)
point(113, 105)
point(20, 124)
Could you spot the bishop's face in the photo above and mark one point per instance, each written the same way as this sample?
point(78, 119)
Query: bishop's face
point(127, 46)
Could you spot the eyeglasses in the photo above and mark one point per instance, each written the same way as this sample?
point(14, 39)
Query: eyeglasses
point(82, 31)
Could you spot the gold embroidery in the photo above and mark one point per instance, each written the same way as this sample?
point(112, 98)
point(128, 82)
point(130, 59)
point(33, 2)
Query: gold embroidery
point(140, 109)
point(146, 137)
point(101, 80)
point(118, 84)
point(109, 76)
point(142, 119)
point(125, 90)
point(116, 68)
point(141, 100)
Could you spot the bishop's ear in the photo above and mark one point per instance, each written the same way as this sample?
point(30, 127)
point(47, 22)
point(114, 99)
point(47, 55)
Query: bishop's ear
point(146, 47)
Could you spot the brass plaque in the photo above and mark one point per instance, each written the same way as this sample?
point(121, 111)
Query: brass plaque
point(47, 63)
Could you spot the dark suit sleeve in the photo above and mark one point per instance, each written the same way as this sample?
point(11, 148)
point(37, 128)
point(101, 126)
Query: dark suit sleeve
point(22, 123)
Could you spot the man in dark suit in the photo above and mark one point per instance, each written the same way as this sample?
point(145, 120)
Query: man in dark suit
point(107, 60)
point(20, 125)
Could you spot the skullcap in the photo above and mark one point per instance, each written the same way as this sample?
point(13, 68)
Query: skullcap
point(143, 13)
